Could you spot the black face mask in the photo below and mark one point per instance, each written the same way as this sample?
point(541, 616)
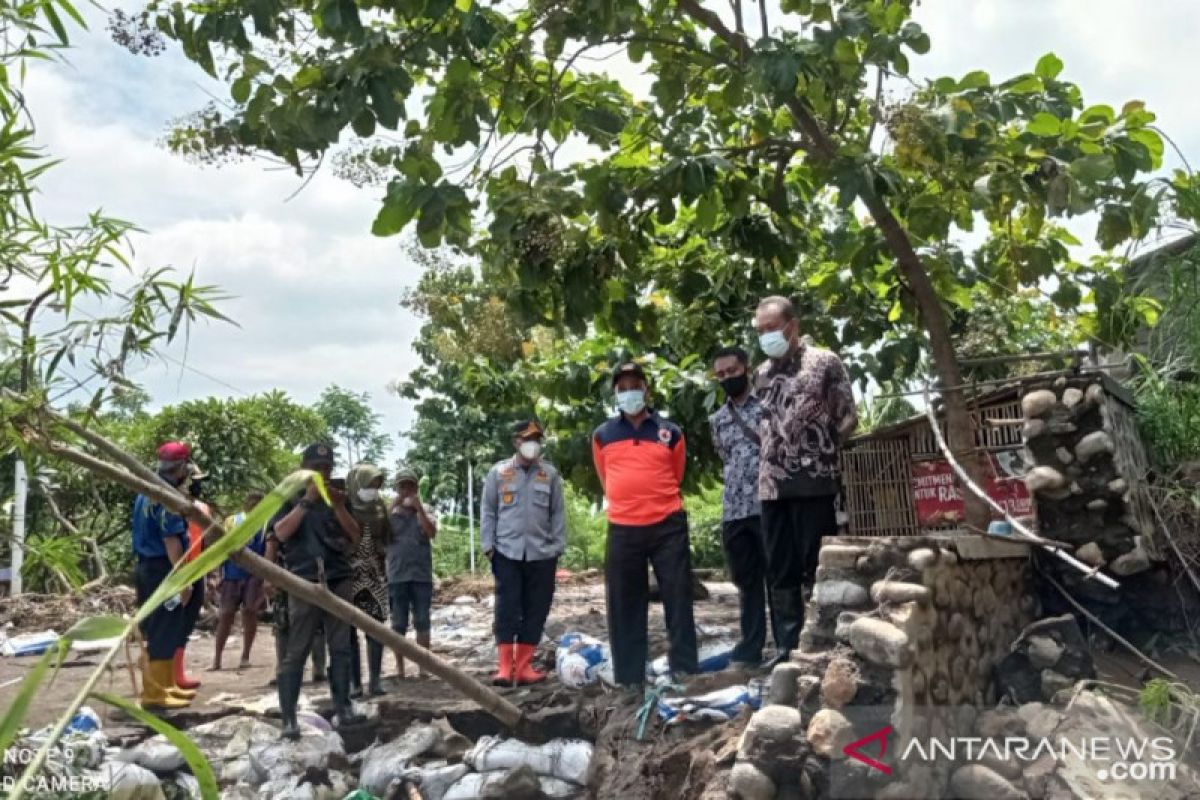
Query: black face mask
point(735, 386)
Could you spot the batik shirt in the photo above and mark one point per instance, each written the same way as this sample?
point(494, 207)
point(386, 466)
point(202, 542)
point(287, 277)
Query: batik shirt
point(739, 453)
point(805, 396)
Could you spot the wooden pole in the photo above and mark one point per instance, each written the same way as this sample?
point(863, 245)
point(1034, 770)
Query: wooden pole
point(505, 712)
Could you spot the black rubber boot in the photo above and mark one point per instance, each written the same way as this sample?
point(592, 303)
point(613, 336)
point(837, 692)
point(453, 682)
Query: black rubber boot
point(355, 667)
point(288, 686)
point(339, 690)
point(374, 668)
point(788, 608)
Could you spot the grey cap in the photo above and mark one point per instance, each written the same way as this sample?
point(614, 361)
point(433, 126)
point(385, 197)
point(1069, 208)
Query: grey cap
point(406, 475)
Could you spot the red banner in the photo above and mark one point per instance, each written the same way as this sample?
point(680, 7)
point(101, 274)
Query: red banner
point(939, 500)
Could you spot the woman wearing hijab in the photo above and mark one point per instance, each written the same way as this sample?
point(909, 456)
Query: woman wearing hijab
point(368, 562)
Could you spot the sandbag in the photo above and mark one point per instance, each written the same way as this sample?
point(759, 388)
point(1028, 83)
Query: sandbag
point(384, 761)
point(566, 759)
point(475, 787)
point(226, 744)
point(435, 779)
point(281, 759)
point(126, 781)
point(156, 754)
point(719, 706)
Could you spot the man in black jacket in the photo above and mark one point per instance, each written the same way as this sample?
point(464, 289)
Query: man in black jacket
point(316, 541)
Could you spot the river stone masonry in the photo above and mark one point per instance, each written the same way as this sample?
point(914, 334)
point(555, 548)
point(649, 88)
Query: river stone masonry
point(903, 632)
point(1089, 470)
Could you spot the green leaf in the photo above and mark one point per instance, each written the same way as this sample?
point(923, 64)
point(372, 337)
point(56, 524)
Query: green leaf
point(214, 555)
point(1044, 124)
point(93, 629)
point(364, 123)
point(1030, 84)
point(1091, 169)
point(974, 80)
point(55, 23)
point(18, 707)
point(1048, 67)
point(464, 5)
point(197, 763)
point(1115, 226)
point(240, 91)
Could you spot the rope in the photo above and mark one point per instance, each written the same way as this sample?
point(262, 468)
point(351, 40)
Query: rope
point(653, 695)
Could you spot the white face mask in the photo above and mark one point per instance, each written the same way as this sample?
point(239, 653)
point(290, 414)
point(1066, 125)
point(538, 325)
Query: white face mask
point(631, 401)
point(368, 495)
point(530, 450)
point(774, 344)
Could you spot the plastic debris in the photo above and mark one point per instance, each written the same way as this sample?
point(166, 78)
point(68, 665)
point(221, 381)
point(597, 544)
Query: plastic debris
point(582, 660)
point(566, 759)
point(713, 657)
point(85, 721)
point(28, 644)
point(719, 706)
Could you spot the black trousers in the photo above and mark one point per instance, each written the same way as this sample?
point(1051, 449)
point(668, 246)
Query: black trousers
point(191, 613)
point(524, 592)
point(666, 547)
point(162, 628)
point(745, 553)
point(794, 528)
point(304, 620)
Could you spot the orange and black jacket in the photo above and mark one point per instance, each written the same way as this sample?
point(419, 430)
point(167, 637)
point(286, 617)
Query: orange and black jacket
point(640, 469)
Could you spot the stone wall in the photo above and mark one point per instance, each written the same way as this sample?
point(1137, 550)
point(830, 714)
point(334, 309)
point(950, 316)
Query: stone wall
point(1088, 474)
point(905, 632)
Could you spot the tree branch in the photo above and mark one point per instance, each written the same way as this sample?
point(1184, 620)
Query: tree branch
point(762, 15)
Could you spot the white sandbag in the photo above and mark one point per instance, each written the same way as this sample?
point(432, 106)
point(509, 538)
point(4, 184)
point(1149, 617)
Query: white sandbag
point(125, 781)
point(719, 706)
point(313, 720)
point(188, 786)
point(156, 754)
point(436, 779)
point(384, 761)
point(566, 759)
point(280, 758)
point(226, 744)
point(475, 786)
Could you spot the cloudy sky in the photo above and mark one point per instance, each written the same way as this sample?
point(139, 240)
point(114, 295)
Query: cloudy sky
point(316, 296)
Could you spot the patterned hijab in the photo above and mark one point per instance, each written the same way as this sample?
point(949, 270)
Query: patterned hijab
point(361, 477)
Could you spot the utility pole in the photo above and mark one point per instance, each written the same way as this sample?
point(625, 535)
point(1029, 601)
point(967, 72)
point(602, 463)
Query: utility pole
point(471, 511)
point(20, 500)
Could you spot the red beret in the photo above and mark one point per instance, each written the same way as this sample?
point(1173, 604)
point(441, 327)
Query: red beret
point(174, 451)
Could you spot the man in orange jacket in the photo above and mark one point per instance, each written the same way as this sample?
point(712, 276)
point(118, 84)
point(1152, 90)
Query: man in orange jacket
point(640, 458)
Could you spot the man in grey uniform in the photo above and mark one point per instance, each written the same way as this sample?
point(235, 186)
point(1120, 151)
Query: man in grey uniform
point(523, 531)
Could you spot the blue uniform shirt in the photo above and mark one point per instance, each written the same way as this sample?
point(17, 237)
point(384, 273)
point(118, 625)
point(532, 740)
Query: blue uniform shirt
point(258, 545)
point(151, 524)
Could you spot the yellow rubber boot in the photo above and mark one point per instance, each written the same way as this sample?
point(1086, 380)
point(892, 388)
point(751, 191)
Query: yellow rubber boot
point(156, 680)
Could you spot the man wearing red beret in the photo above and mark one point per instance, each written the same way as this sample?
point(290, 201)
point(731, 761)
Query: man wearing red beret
point(160, 540)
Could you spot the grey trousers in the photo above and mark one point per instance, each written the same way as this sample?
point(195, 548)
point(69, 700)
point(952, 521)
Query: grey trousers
point(304, 620)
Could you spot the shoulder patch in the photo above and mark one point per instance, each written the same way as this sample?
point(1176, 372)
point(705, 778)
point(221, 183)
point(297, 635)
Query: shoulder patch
point(664, 435)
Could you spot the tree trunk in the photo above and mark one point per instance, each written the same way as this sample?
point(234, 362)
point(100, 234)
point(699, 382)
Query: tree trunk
point(821, 147)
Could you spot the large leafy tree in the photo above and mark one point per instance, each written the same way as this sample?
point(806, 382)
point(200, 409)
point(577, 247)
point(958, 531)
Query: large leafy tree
point(762, 159)
point(353, 424)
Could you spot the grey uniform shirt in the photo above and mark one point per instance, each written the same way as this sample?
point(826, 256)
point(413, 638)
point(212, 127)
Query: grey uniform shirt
point(740, 455)
point(409, 553)
point(523, 514)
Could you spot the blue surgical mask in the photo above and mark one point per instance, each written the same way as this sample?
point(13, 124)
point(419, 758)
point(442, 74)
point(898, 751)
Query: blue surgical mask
point(631, 401)
point(774, 344)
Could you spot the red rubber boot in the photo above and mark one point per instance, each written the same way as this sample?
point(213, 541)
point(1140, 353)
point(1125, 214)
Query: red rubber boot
point(504, 673)
point(525, 673)
point(181, 678)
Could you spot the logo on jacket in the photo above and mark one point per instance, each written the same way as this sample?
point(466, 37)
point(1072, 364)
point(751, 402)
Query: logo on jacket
point(664, 436)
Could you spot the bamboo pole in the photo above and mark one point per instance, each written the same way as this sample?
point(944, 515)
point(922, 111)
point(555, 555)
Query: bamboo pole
point(505, 712)
point(1023, 532)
